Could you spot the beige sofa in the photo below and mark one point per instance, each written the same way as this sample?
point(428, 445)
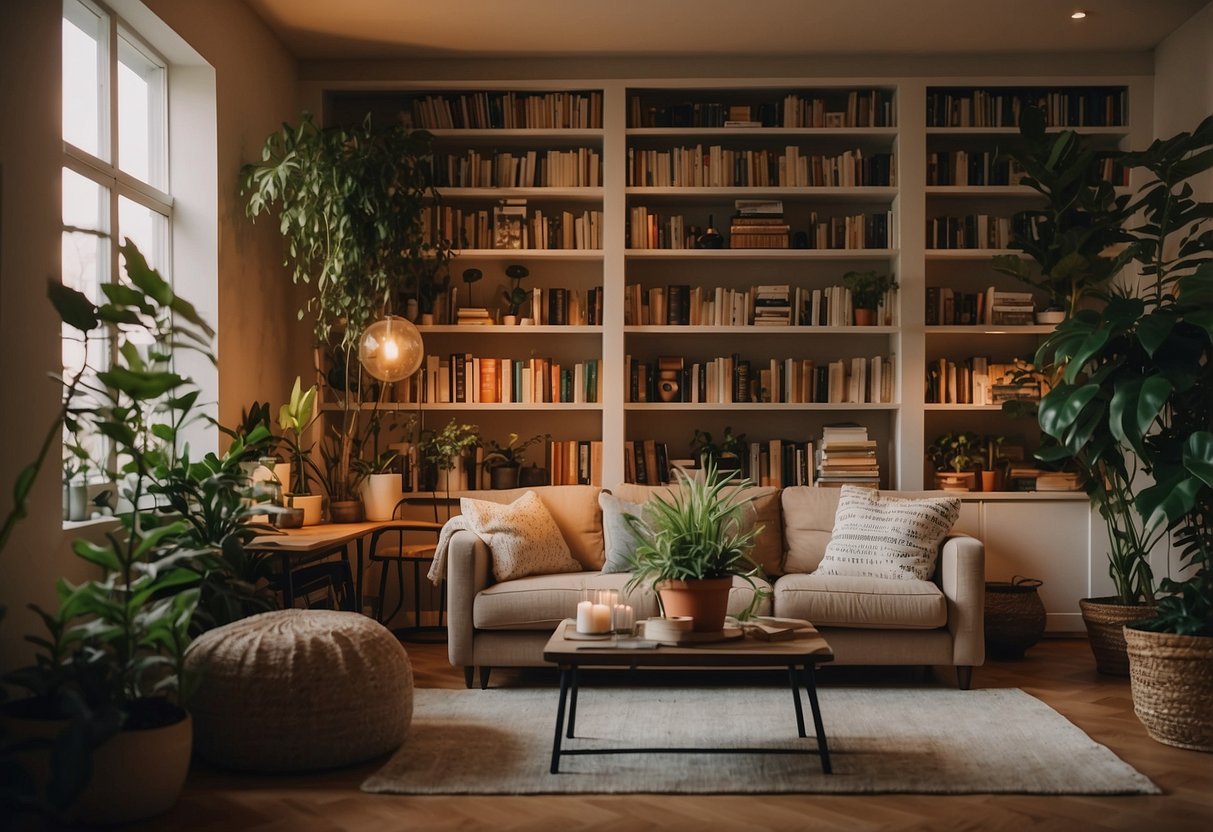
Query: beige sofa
point(867, 621)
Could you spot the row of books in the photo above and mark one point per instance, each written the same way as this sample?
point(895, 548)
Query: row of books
point(978, 380)
point(847, 456)
point(649, 229)
point(470, 379)
point(568, 462)
point(986, 167)
point(946, 306)
point(1021, 478)
point(553, 306)
point(976, 231)
point(732, 379)
point(518, 229)
point(720, 167)
point(577, 168)
point(841, 108)
point(574, 462)
point(507, 110)
point(1002, 107)
point(765, 305)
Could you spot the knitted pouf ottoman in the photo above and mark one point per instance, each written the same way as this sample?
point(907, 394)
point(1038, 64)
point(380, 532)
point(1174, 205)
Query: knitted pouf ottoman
point(295, 690)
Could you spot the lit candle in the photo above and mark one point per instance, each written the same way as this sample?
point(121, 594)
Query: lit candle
point(624, 620)
point(585, 622)
point(600, 616)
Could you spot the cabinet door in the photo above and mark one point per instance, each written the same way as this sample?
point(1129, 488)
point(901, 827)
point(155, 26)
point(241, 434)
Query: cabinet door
point(1045, 540)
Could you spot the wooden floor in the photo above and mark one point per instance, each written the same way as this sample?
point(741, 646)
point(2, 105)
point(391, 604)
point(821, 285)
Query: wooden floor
point(1059, 671)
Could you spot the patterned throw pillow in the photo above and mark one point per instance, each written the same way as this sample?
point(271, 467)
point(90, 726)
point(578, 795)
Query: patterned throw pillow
point(522, 537)
point(877, 536)
point(619, 539)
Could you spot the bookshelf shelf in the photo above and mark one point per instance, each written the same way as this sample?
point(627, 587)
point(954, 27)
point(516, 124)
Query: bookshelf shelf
point(969, 253)
point(759, 406)
point(528, 134)
point(825, 193)
point(1035, 329)
point(1013, 131)
point(887, 133)
point(529, 253)
point(1004, 191)
point(564, 194)
point(993, 408)
point(765, 331)
point(732, 254)
point(512, 331)
point(331, 407)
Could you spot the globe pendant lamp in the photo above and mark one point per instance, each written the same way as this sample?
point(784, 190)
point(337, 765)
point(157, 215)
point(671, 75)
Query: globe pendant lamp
point(391, 349)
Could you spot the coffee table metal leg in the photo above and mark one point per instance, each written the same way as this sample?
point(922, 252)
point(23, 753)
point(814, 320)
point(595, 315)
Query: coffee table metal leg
point(564, 694)
point(794, 678)
point(822, 748)
point(576, 686)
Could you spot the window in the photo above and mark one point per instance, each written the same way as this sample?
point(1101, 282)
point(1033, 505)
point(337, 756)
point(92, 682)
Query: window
point(115, 177)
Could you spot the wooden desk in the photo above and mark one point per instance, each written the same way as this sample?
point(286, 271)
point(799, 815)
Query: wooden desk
point(328, 538)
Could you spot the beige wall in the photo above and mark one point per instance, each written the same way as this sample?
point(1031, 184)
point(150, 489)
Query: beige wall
point(260, 346)
point(1183, 83)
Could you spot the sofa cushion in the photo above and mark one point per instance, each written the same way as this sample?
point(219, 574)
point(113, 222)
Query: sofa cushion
point(619, 541)
point(522, 537)
point(864, 603)
point(880, 536)
point(575, 510)
point(541, 602)
point(764, 510)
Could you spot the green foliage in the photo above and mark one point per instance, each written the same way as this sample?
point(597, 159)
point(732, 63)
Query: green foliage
point(350, 205)
point(440, 447)
point(707, 450)
point(515, 296)
point(294, 418)
point(956, 451)
point(699, 532)
point(252, 421)
point(1082, 217)
point(513, 451)
point(867, 287)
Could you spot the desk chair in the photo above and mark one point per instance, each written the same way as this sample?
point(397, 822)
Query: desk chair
point(416, 554)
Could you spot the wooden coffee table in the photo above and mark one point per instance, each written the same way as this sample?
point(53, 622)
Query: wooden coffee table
point(800, 656)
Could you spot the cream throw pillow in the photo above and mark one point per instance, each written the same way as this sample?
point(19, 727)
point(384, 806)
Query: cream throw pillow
point(522, 537)
point(877, 536)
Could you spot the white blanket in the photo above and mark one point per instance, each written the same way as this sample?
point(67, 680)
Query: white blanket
point(438, 567)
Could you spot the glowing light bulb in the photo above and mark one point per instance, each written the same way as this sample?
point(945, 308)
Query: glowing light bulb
point(391, 349)
point(1078, 14)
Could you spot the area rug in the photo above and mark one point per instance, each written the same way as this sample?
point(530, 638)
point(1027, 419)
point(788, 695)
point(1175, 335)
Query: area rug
point(891, 740)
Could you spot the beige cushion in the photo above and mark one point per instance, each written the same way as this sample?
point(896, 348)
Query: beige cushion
point(869, 603)
point(295, 690)
point(575, 510)
point(764, 510)
point(879, 536)
point(543, 601)
point(522, 537)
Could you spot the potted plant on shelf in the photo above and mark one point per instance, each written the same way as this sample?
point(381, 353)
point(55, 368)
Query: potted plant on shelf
point(954, 456)
point(443, 450)
point(726, 455)
point(1071, 238)
point(868, 289)
point(1138, 384)
point(504, 461)
point(515, 295)
point(381, 488)
point(295, 418)
point(693, 543)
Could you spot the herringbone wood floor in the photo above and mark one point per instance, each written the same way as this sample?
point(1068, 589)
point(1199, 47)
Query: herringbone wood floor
point(1060, 672)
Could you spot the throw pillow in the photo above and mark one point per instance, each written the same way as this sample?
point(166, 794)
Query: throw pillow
point(522, 537)
point(877, 536)
point(619, 539)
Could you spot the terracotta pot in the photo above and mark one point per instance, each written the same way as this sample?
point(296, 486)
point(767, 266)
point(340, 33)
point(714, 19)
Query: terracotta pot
point(345, 511)
point(1172, 681)
point(1105, 619)
point(865, 317)
point(989, 481)
point(956, 481)
point(706, 601)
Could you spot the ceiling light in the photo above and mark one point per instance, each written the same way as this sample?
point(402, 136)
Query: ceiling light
point(1078, 14)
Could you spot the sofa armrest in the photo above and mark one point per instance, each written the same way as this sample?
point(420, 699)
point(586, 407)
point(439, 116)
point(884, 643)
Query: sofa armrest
point(962, 577)
point(467, 573)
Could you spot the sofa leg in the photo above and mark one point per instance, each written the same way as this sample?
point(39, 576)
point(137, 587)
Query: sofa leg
point(484, 677)
point(964, 677)
point(468, 673)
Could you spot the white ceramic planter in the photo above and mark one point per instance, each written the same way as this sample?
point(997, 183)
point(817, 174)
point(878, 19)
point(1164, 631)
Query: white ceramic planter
point(312, 505)
point(380, 494)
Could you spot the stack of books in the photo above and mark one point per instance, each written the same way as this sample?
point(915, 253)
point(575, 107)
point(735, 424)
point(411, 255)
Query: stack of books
point(473, 316)
point(772, 305)
point(847, 457)
point(759, 223)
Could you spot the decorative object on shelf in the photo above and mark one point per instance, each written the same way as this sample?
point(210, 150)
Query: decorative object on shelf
point(1134, 389)
point(692, 544)
point(1014, 617)
point(710, 238)
point(470, 278)
point(952, 454)
point(515, 295)
point(443, 450)
point(726, 455)
point(391, 349)
point(532, 475)
point(505, 461)
point(380, 485)
point(1083, 218)
point(868, 289)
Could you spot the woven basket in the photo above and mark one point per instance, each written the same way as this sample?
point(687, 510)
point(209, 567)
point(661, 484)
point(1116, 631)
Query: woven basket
point(1014, 618)
point(1172, 680)
point(1105, 620)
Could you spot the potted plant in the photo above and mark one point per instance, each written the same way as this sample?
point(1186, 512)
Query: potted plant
point(954, 456)
point(76, 465)
point(1071, 237)
point(692, 544)
point(106, 686)
point(351, 205)
point(381, 488)
point(868, 289)
point(726, 455)
point(443, 450)
point(295, 417)
point(504, 461)
point(515, 295)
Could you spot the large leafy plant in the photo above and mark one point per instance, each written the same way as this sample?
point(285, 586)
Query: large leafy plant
point(1137, 379)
